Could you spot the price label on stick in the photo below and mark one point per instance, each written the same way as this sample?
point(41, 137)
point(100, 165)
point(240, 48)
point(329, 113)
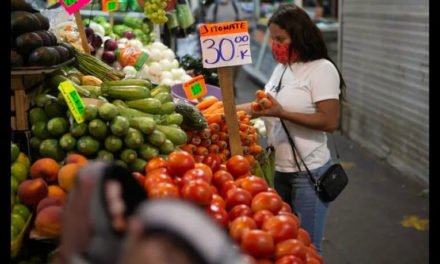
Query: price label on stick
point(109, 5)
point(73, 6)
point(73, 100)
point(225, 44)
point(195, 88)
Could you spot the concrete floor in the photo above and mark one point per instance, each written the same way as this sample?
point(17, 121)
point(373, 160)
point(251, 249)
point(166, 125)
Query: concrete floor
point(364, 223)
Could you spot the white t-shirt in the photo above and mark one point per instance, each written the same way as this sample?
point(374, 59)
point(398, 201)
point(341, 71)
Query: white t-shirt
point(302, 86)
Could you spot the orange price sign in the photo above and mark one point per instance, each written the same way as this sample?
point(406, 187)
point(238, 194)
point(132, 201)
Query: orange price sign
point(195, 88)
point(109, 5)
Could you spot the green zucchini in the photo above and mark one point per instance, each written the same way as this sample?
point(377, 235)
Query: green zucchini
point(127, 82)
point(129, 92)
point(146, 105)
point(175, 135)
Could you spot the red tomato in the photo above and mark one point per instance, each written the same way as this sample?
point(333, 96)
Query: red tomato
point(220, 177)
point(228, 185)
point(313, 261)
point(261, 216)
point(240, 210)
point(285, 208)
point(264, 261)
point(139, 178)
point(154, 163)
point(213, 161)
point(195, 174)
point(257, 243)
point(253, 184)
point(312, 253)
point(198, 192)
point(158, 170)
point(206, 169)
point(237, 196)
point(219, 214)
point(164, 190)
point(290, 247)
point(266, 200)
point(218, 200)
point(213, 189)
point(272, 190)
point(291, 215)
point(304, 237)
point(238, 165)
point(281, 227)
point(239, 225)
point(223, 166)
point(199, 158)
point(179, 162)
point(153, 179)
point(178, 182)
point(289, 260)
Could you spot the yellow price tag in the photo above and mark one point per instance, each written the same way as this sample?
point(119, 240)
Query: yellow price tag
point(74, 102)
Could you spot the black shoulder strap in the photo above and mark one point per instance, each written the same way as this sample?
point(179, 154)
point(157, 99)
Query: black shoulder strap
point(234, 5)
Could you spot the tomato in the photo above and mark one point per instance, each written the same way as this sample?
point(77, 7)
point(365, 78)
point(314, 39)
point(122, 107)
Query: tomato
point(154, 163)
point(281, 227)
point(266, 200)
point(213, 161)
point(261, 216)
point(237, 196)
point(218, 200)
point(313, 261)
point(240, 210)
point(179, 162)
point(239, 225)
point(220, 177)
point(206, 169)
point(264, 261)
point(164, 190)
point(198, 192)
point(219, 214)
point(260, 94)
point(289, 260)
point(213, 189)
point(158, 170)
point(139, 178)
point(200, 158)
point(153, 179)
point(312, 253)
point(195, 174)
point(285, 208)
point(304, 237)
point(238, 165)
point(223, 166)
point(257, 243)
point(256, 107)
point(178, 182)
point(228, 185)
point(253, 184)
point(290, 247)
point(291, 215)
point(272, 190)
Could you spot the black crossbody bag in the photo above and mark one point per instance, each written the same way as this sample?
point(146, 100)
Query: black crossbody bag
point(333, 181)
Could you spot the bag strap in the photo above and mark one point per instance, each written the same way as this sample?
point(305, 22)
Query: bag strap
point(336, 148)
point(234, 5)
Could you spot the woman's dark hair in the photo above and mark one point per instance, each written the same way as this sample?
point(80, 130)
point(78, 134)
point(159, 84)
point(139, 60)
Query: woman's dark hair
point(306, 37)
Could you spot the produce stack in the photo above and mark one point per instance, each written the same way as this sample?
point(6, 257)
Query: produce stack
point(32, 43)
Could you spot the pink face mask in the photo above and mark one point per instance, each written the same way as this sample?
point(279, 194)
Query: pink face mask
point(281, 53)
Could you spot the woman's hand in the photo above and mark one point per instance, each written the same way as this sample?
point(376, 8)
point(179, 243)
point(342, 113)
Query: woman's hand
point(275, 110)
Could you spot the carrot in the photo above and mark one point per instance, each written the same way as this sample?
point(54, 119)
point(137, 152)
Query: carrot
point(213, 107)
point(215, 118)
point(265, 103)
point(241, 114)
point(214, 127)
point(190, 148)
point(205, 133)
point(222, 144)
point(223, 136)
point(260, 94)
point(206, 143)
point(256, 107)
point(196, 140)
point(215, 138)
point(207, 102)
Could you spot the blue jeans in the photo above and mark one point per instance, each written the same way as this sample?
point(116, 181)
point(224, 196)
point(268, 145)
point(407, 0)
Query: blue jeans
point(296, 189)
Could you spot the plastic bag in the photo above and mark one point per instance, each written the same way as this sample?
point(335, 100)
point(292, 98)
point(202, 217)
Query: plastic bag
point(131, 56)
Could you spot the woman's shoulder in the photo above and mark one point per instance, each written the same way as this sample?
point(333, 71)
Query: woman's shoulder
point(322, 66)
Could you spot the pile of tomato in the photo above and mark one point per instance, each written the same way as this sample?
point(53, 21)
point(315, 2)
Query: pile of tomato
point(253, 214)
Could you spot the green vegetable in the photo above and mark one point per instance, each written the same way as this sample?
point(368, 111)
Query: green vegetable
point(127, 82)
point(138, 165)
point(50, 148)
point(119, 126)
point(145, 124)
point(128, 155)
point(147, 151)
point(192, 117)
point(91, 65)
point(113, 143)
point(157, 138)
point(176, 135)
point(128, 92)
point(87, 145)
point(134, 138)
point(146, 105)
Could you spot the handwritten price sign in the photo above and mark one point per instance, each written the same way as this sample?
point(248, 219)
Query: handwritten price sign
point(195, 88)
point(73, 6)
point(225, 44)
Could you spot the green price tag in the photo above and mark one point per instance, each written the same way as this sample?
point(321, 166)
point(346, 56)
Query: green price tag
point(70, 2)
point(196, 89)
point(73, 100)
point(111, 6)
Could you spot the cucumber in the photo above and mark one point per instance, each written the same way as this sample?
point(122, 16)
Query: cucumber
point(94, 90)
point(108, 111)
point(113, 143)
point(98, 129)
point(156, 138)
point(164, 97)
point(138, 165)
point(134, 138)
point(167, 108)
point(167, 147)
point(41, 99)
point(160, 89)
point(119, 102)
point(119, 126)
point(145, 124)
point(87, 145)
point(105, 155)
point(176, 135)
point(129, 92)
point(127, 82)
point(129, 113)
point(147, 151)
point(146, 105)
point(172, 119)
point(128, 155)
point(57, 79)
point(54, 109)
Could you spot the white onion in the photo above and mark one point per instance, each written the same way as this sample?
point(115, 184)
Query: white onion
point(166, 75)
point(186, 78)
point(159, 46)
point(175, 64)
point(155, 55)
point(123, 40)
point(155, 68)
point(168, 54)
point(135, 43)
point(166, 64)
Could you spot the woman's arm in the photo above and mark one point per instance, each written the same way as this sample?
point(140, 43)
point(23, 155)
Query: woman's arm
point(326, 117)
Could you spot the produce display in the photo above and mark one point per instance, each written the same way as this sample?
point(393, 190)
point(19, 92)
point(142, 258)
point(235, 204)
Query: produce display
point(32, 44)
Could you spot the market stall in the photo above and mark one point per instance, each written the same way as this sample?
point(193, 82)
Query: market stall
point(131, 102)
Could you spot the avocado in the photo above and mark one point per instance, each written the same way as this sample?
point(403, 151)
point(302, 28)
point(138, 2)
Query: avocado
point(63, 53)
point(43, 56)
point(43, 21)
point(47, 39)
point(70, 48)
point(22, 5)
point(53, 38)
point(23, 22)
point(27, 42)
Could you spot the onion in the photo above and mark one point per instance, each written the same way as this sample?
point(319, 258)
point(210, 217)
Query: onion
point(108, 57)
point(111, 44)
point(155, 54)
point(168, 54)
point(166, 75)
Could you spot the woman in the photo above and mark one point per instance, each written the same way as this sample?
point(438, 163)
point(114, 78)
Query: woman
point(305, 88)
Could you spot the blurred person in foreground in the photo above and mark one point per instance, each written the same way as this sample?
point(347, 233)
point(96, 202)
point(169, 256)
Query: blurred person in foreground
point(304, 88)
